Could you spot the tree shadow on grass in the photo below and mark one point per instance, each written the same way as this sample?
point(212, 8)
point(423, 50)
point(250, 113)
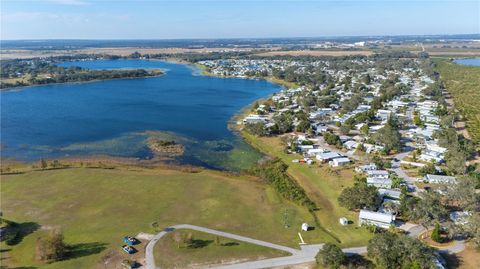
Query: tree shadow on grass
point(453, 261)
point(84, 249)
point(230, 244)
point(358, 261)
point(198, 243)
point(17, 231)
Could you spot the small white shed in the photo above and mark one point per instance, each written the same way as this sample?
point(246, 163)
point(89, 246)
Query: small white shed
point(305, 227)
point(343, 221)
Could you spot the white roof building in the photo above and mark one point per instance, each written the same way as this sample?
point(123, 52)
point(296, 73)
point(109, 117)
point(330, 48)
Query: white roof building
point(378, 174)
point(439, 179)
point(392, 194)
point(382, 220)
point(369, 148)
point(366, 167)
point(350, 144)
point(379, 182)
point(339, 162)
point(251, 119)
point(326, 156)
point(315, 151)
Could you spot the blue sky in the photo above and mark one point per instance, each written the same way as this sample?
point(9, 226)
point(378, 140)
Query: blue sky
point(158, 19)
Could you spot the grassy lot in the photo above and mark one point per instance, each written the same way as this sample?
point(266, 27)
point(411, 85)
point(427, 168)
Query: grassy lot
point(23, 79)
point(97, 207)
point(323, 185)
point(463, 83)
point(205, 250)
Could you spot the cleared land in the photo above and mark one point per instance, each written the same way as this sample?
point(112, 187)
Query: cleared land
point(463, 83)
point(22, 53)
point(207, 249)
point(95, 208)
point(315, 53)
point(467, 259)
point(323, 185)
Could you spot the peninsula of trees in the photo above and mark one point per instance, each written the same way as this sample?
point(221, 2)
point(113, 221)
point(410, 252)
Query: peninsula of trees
point(20, 72)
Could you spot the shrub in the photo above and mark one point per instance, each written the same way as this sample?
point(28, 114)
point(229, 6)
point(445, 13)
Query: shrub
point(436, 234)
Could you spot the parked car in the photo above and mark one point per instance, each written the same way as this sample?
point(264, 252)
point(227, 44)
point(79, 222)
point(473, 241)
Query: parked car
point(129, 249)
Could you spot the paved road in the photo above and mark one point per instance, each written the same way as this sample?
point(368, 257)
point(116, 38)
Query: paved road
point(306, 253)
point(296, 254)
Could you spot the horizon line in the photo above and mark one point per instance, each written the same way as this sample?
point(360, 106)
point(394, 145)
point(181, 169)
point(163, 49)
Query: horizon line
point(242, 38)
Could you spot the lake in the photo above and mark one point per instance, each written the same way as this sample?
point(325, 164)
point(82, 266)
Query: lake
point(116, 117)
point(473, 61)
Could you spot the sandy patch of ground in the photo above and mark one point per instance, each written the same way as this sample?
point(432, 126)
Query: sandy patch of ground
point(456, 53)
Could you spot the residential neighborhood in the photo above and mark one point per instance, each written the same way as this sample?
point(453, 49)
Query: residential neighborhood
point(391, 127)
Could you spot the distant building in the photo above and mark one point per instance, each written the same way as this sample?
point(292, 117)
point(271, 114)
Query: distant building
point(460, 217)
point(343, 221)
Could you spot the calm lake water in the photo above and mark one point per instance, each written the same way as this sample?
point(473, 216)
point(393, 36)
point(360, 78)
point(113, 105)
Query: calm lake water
point(116, 117)
point(474, 61)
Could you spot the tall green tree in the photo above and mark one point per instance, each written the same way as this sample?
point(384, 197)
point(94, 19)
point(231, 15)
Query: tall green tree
point(359, 196)
point(390, 250)
point(330, 256)
point(429, 209)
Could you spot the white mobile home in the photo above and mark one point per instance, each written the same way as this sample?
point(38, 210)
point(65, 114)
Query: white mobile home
point(439, 179)
point(379, 182)
point(339, 162)
point(327, 156)
point(382, 220)
point(380, 174)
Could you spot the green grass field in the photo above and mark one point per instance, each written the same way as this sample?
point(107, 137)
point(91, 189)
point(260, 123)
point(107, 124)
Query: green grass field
point(206, 251)
point(463, 83)
point(97, 207)
point(323, 186)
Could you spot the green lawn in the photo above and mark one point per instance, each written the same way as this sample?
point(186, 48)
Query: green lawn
point(97, 207)
point(205, 250)
point(463, 83)
point(323, 186)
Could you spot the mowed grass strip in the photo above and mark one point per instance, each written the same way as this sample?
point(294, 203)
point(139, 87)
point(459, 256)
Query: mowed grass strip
point(99, 207)
point(207, 249)
point(463, 83)
point(323, 186)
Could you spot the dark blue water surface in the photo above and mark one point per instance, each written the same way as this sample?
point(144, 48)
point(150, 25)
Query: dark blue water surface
point(473, 61)
point(116, 117)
